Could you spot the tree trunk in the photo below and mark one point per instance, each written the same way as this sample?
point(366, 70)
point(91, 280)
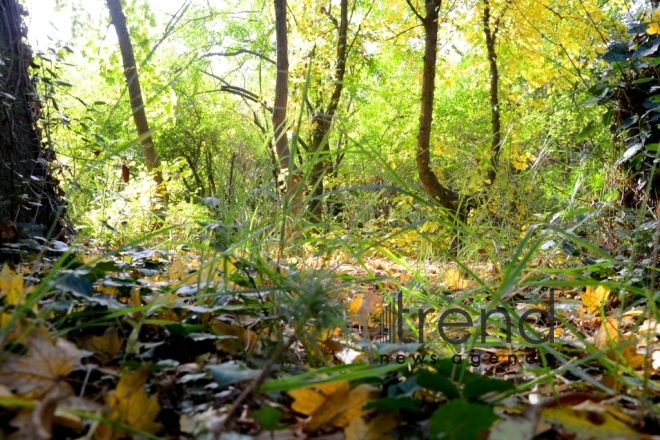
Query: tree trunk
point(134, 90)
point(288, 173)
point(446, 197)
point(323, 121)
point(281, 87)
point(29, 195)
point(490, 32)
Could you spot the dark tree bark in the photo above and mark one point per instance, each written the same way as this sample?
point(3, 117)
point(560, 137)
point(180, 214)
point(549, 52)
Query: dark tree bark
point(134, 90)
point(322, 121)
point(29, 195)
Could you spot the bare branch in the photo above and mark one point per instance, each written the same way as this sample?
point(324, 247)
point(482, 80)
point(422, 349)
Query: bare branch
point(239, 52)
point(422, 19)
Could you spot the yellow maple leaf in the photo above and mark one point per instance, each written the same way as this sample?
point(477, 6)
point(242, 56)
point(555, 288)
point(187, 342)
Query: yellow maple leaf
point(42, 369)
point(332, 403)
point(593, 298)
point(130, 405)
point(376, 429)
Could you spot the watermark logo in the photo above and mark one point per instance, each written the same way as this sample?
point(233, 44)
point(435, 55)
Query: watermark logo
point(392, 317)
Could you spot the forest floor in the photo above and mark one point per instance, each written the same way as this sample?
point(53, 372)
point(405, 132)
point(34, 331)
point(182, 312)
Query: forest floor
point(158, 344)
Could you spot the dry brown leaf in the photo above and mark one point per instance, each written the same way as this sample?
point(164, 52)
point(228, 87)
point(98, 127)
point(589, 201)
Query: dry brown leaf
point(42, 370)
point(593, 298)
point(375, 429)
point(130, 405)
point(37, 423)
point(104, 347)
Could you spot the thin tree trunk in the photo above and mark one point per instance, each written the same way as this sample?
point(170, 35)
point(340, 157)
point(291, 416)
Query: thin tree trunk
point(134, 91)
point(446, 197)
point(292, 179)
point(496, 124)
point(323, 121)
point(281, 86)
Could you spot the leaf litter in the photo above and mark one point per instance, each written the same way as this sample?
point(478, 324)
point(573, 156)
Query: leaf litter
point(158, 346)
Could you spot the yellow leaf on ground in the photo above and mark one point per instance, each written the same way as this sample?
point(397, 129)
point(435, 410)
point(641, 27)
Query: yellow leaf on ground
point(588, 422)
point(454, 280)
point(593, 298)
point(608, 336)
point(332, 403)
point(309, 399)
point(355, 305)
point(376, 429)
point(104, 347)
point(11, 284)
point(11, 288)
point(42, 369)
point(357, 398)
point(130, 405)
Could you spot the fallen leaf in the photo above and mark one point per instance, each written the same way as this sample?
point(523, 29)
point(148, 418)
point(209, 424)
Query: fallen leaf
point(590, 423)
point(332, 403)
point(104, 347)
point(454, 280)
point(239, 339)
point(35, 423)
point(608, 336)
point(516, 427)
point(357, 398)
point(130, 405)
point(375, 429)
point(11, 288)
point(593, 298)
point(42, 369)
point(309, 399)
point(229, 373)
